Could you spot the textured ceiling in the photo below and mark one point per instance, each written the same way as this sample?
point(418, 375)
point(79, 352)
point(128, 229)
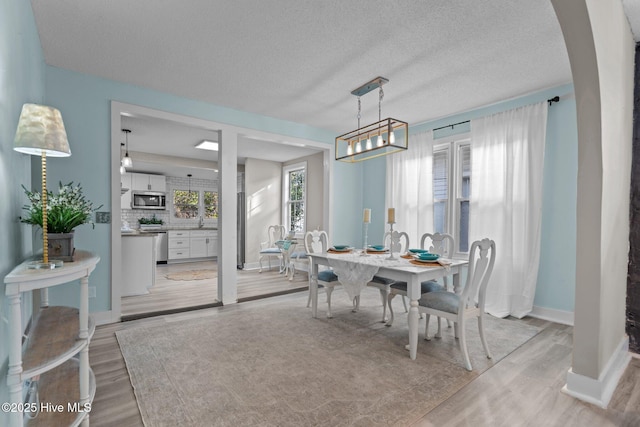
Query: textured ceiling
point(298, 60)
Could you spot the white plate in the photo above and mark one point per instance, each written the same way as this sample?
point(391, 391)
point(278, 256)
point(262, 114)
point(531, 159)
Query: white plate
point(347, 249)
point(426, 260)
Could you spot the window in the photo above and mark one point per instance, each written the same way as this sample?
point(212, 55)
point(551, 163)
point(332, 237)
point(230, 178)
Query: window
point(451, 189)
point(210, 204)
point(186, 204)
point(294, 196)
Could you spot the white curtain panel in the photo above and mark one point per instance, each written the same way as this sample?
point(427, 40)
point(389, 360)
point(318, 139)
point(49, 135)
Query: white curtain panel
point(410, 187)
point(507, 156)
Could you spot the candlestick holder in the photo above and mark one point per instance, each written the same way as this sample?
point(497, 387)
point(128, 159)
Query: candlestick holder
point(394, 238)
point(364, 250)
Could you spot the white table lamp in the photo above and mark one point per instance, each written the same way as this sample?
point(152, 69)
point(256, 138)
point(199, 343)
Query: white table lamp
point(41, 133)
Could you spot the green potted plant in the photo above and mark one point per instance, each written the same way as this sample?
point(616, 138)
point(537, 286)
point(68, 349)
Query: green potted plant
point(65, 211)
point(150, 223)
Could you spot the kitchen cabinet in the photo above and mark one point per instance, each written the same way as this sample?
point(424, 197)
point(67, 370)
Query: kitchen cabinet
point(125, 184)
point(179, 245)
point(138, 263)
point(56, 350)
point(212, 245)
point(192, 244)
point(148, 182)
point(206, 242)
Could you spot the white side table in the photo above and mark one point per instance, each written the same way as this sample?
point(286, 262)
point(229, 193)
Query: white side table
point(56, 348)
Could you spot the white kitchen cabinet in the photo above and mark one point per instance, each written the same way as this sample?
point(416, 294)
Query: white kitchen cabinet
point(125, 184)
point(207, 242)
point(192, 244)
point(148, 182)
point(179, 247)
point(212, 244)
point(198, 247)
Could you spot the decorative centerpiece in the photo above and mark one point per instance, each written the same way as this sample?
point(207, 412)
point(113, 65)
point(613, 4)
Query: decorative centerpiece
point(65, 211)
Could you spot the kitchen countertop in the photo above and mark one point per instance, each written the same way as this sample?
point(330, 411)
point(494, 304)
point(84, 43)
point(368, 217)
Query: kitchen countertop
point(138, 232)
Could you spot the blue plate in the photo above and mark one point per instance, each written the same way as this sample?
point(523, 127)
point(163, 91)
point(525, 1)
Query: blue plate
point(418, 251)
point(340, 247)
point(377, 247)
point(427, 256)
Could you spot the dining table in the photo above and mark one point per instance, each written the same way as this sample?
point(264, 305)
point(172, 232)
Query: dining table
point(355, 269)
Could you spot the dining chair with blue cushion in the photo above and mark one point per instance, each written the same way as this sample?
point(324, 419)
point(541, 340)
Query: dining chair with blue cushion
point(383, 283)
point(436, 243)
point(269, 249)
point(317, 241)
point(460, 307)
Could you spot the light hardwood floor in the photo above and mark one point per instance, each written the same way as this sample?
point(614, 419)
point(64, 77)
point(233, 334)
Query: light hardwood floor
point(523, 389)
point(173, 295)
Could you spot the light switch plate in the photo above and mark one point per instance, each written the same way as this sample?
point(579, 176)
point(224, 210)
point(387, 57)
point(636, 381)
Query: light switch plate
point(103, 217)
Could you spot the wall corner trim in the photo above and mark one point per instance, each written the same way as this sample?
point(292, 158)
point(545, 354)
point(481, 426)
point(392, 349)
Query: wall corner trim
point(599, 391)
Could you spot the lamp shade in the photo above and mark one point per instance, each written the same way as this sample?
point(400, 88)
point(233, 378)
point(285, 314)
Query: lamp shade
point(41, 128)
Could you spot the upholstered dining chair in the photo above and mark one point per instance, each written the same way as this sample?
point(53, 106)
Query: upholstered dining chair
point(382, 283)
point(268, 248)
point(317, 241)
point(459, 308)
point(436, 243)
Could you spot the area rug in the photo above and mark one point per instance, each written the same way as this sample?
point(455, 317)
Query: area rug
point(269, 363)
point(192, 275)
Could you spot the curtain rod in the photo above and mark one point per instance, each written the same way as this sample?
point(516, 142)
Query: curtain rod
point(550, 101)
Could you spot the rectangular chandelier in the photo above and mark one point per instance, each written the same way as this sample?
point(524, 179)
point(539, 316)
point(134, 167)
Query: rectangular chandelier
point(386, 136)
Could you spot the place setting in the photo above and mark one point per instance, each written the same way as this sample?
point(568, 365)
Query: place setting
point(340, 249)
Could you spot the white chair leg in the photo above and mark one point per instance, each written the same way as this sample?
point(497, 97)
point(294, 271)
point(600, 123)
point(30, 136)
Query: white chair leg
point(383, 296)
point(260, 261)
point(328, 290)
point(356, 304)
point(389, 299)
point(463, 346)
point(426, 328)
point(439, 333)
point(309, 299)
point(482, 338)
point(404, 302)
point(456, 333)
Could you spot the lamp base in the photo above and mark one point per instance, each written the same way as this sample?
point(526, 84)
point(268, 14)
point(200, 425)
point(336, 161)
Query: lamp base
point(41, 265)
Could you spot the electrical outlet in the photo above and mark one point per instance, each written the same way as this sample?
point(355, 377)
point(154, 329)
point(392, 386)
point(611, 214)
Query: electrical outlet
point(103, 217)
point(92, 291)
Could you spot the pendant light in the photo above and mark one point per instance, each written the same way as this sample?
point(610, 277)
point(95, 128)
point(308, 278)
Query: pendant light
point(123, 170)
point(126, 160)
point(189, 176)
point(390, 135)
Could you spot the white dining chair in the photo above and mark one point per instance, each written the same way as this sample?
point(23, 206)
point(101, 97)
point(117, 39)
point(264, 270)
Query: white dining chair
point(460, 307)
point(383, 284)
point(436, 243)
point(317, 241)
point(268, 248)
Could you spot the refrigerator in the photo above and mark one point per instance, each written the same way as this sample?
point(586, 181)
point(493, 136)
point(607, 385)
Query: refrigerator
point(242, 212)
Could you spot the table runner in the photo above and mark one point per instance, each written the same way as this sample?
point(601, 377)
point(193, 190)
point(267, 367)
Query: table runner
point(354, 271)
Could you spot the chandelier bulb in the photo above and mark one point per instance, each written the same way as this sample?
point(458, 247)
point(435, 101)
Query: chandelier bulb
point(380, 142)
point(349, 150)
point(368, 144)
point(358, 147)
point(392, 138)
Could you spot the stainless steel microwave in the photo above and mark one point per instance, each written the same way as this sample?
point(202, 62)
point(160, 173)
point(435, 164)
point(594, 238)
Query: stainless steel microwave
point(148, 200)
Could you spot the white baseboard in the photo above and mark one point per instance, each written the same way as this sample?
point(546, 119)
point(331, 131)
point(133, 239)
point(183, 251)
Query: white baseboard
point(599, 391)
point(104, 318)
point(552, 315)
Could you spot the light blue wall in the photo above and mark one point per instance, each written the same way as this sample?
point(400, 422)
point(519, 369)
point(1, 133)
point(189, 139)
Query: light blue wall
point(556, 277)
point(21, 81)
point(85, 104)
